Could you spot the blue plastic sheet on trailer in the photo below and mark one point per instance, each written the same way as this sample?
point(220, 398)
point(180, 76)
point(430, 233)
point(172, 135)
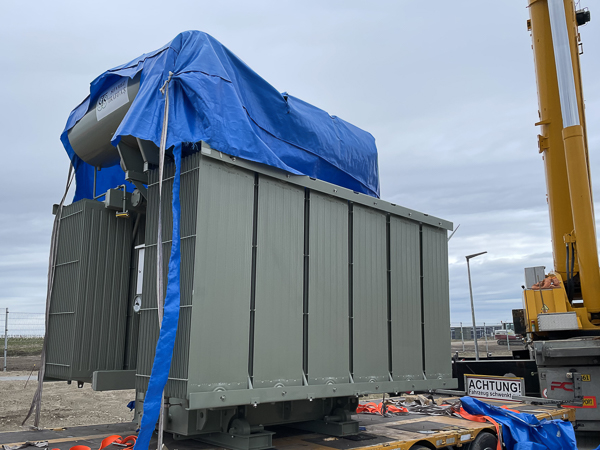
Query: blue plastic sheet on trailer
point(522, 431)
point(215, 97)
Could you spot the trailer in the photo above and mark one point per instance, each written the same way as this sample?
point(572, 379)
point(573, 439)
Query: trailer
point(403, 432)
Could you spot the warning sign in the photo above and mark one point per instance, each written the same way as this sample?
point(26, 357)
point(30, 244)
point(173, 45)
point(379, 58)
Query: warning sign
point(499, 388)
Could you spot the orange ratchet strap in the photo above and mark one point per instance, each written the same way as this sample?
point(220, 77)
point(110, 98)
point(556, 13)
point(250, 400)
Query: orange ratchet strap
point(126, 443)
point(479, 418)
point(375, 408)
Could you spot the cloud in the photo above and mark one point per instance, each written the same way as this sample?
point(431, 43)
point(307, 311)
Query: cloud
point(448, 92)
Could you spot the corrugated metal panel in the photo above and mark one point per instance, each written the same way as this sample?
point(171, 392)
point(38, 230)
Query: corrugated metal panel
point(405, 296)
point(212, 348)
point(328, 338)
point(149, 329)
point(61, 326)
point(88, 307)
point(222, 278)
point(279, 275)
point(436, 307)
point(369, 295)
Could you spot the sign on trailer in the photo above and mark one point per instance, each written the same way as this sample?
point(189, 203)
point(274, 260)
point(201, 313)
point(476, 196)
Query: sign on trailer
point(499, 388)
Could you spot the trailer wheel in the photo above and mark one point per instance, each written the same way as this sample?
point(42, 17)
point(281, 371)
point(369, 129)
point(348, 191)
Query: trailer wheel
point(419, 447)
point(484, 441)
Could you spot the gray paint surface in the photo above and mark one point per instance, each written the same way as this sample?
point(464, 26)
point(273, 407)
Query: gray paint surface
point(213, 352)
point(436, 307)
point(87, 324)
point(149, 327)
point(405, 294)
point(369, 299)
point(222, 274)
point(279, 273)
point(328, 338)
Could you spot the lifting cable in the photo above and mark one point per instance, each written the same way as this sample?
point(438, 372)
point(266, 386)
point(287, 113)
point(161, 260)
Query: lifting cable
point(168, 310)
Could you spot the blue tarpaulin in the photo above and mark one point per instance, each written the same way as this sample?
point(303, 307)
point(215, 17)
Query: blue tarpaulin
point(215, 97)
point(522, 431)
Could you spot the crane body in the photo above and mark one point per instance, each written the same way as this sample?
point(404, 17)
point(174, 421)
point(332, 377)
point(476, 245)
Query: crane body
point(561, 314)
point(575, 304)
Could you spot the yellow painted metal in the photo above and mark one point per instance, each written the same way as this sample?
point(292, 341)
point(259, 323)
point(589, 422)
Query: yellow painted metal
point(540, 301)
point(566, 162)
point(583, 217)
point(550, 139)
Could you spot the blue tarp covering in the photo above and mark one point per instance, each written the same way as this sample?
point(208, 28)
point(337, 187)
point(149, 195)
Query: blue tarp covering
point(215, 97)
point(522, 431)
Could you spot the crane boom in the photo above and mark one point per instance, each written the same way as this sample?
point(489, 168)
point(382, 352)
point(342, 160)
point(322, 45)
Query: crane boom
point(563, 144)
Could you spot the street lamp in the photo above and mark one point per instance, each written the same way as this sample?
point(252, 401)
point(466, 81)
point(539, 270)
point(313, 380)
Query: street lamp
point(472, 306)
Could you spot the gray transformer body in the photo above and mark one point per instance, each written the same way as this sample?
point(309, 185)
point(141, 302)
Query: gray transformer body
point(289, 288)
point(297, 297)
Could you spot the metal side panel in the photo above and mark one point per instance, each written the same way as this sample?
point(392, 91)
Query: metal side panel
point(103, 303)
point(369, 295)
point(61, 327)
point(148, 321)
point(436, 304)
point(222, 278)
point(279, 284)
point(92, 288)
point(405, 296)
point(328, 338)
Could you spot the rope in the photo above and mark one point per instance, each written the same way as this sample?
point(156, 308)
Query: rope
point(161, 164)
point(159, 250)
point(36, 402)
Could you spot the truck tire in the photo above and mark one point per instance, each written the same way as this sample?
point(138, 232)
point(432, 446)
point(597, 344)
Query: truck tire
point(484, 441)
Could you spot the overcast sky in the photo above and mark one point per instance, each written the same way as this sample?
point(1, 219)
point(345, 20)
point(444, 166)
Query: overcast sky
point(447, 89)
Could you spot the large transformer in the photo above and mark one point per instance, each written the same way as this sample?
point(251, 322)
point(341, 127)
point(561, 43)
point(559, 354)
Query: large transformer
point(298, 296)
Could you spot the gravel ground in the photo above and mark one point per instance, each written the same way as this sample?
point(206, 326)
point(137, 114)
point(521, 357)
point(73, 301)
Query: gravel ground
point(63, 405)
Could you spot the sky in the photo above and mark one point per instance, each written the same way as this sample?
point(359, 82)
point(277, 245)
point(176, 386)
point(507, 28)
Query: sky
point(446, 88)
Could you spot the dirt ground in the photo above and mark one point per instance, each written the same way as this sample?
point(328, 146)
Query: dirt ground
point(22, 363)
point(63, 405)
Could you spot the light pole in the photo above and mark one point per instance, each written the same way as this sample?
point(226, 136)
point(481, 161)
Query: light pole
point(468, 257)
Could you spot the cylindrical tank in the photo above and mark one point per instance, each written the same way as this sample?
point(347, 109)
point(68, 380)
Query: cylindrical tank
point(91, 136)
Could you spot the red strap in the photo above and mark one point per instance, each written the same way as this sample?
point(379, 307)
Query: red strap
point(374, 408)
point(109, 440)
point(480, 418)
point(113, 439)
point(129, 440)
point(511, 410)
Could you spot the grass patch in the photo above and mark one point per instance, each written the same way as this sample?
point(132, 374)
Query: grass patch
point(23, 346)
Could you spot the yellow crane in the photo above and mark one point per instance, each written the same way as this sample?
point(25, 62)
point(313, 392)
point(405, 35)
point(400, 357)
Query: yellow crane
point(568, 300)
